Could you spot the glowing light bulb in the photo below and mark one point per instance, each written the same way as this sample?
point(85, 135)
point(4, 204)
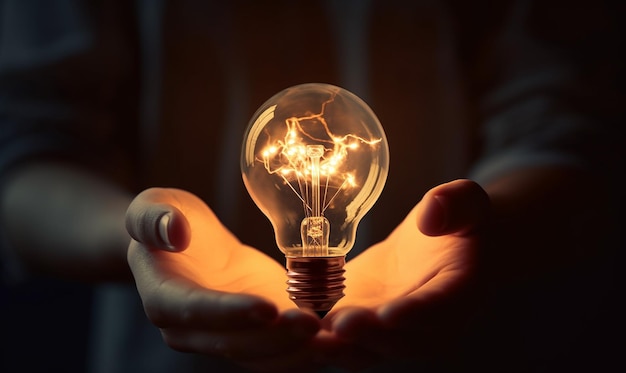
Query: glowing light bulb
point(315, 160)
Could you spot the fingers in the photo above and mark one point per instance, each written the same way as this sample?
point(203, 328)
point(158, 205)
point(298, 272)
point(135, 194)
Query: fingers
point(290, 331)
point(301, 356)
point(364, 331)
point(154, 219)
point(425, 335)
point(343, 352)
point(350, 321)
point(457, 207)
point(424, 303)
point(173, 300)
point(178, 289)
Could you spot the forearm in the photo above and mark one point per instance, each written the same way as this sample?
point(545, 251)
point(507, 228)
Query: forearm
point(65, 222)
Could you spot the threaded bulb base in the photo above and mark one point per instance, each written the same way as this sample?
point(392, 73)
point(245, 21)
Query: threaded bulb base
point(315, 283)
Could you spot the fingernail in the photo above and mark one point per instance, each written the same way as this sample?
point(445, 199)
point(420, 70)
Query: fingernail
point(164, 223)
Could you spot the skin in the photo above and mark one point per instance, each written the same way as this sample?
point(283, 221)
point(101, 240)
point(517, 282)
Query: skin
point(210, 294)
point(226, 300)
point(423, 282)
point(432, 276)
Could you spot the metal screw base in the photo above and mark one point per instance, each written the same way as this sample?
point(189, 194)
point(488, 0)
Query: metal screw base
point(315, 283)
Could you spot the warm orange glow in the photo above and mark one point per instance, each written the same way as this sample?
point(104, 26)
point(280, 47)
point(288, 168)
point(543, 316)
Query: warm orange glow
point(311, 164)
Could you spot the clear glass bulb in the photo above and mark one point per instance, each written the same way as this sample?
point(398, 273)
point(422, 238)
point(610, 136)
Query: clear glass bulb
point(315, 160)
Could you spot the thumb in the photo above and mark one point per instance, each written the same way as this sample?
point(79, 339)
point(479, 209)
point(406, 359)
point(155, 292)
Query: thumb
point(154, 219)
point(458, 207)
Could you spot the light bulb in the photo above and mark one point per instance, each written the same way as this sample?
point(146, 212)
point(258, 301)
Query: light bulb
point(315, 160)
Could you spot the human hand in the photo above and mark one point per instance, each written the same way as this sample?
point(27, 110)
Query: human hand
point(206, 291)
point(410, 295)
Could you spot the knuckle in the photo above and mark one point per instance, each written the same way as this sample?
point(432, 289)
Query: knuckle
point(154, 313)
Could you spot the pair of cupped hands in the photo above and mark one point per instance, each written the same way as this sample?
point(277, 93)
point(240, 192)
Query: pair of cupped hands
point(208, 293)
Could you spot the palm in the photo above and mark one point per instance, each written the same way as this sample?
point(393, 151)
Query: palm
point(216, 259)
point(214, 295)
point(407, 263)
point(407, 291)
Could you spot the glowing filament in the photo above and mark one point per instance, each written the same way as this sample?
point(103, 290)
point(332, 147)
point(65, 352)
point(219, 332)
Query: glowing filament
point(312, 166)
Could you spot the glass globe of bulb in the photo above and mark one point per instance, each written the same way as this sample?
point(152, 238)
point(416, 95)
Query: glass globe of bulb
point(315, 160)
